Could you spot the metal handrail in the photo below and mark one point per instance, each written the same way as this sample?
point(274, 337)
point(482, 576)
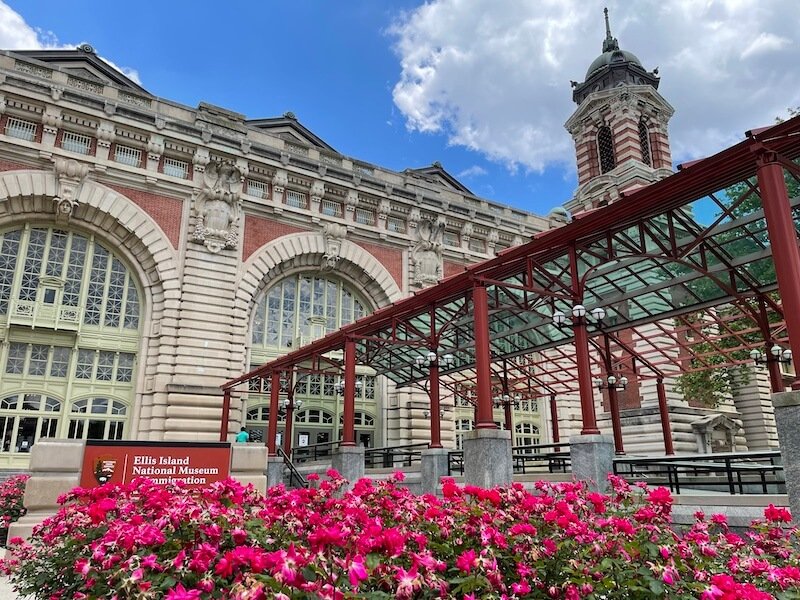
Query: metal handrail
point(527, 458)
point(390, 456)
point(313, 452)
point(294, 474)
point(735, 471)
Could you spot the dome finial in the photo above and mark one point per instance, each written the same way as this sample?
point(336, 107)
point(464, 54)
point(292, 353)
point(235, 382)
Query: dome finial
point(610, 43)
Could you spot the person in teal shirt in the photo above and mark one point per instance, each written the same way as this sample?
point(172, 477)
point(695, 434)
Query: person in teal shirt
point(243, 437)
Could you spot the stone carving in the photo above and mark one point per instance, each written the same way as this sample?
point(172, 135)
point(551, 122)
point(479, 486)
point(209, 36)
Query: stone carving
point(426, 255)
point(384, 208)
point(217, 206)
point(334, 235)
point(69, 177)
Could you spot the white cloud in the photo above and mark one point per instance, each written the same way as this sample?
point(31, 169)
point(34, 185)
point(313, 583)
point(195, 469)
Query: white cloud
point(493, 75)
point(16, 34)
point(473, 171)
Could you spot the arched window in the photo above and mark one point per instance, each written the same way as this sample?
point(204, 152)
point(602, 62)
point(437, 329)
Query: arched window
point(97, 419)
point(73, 312)
point(526, 434)
point(605, 148)
point(361, 419)
point(314, 416)
point(302, 308)
point(25, 418)
point(644, 142)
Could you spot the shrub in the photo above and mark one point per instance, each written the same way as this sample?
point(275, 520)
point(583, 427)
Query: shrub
point(144, 541)
point(11, 492)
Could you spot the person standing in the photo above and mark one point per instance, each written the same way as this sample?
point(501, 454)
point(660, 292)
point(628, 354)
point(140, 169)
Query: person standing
point(243, 436)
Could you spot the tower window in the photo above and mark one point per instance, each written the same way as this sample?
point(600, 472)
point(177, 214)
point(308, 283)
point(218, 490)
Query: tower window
point(644, 142)
point(605, 146)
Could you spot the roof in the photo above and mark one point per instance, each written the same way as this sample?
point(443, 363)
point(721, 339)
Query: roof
point(84, 62)
point(437, 173)
point(667, 252)
point(289, 128)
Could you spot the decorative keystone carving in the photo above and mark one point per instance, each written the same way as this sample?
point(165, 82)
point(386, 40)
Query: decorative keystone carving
point(384, 208)
point(334, 234)
point(217, 206)
point(50, 123)
point(426, 255)
point(69, 178)
point(201, 159)
point(413, 218)
point(351, 200)
point(155, 148)
point(105, 135)
point(317, 191)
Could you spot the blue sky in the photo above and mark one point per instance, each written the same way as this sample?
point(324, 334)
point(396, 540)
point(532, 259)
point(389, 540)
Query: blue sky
point(480, 85)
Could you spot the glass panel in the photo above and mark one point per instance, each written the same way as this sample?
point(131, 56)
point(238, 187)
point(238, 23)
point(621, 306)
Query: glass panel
point(96, 430)
point(80, 406)
point(99, 406)
point(127, 155)
point(48, 428)
point(31, 402)
point(115, 429)
point(21, 129)
point(125, 367)
point(75, 431)
point(9, 402)
point(9, 251)
point(118, 408)
point(38, 362)
point(52, 405)
point(33, 265)
point(85, 364)
point(7, 431)
point(15, 363)
point(60, 362)
point(26, 434)
point(105, 366)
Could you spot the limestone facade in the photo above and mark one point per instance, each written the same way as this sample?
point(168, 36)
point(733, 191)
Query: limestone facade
point(153, 251)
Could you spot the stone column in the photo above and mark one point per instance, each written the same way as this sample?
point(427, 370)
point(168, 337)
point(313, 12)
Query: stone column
point(434, 467)
point(592, 458)
point(487, 458)
point(787, 418)
point(55, 469)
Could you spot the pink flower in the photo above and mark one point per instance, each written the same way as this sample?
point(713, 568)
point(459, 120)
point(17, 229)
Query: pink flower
point(357, 572)
point(779, 514)
point(181, 593)
point(466, 560)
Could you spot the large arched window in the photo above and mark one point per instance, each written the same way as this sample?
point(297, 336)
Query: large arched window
point(71, 308)
point(304, 307)
point(526, 434)
point(644, 142)
point(605, 149)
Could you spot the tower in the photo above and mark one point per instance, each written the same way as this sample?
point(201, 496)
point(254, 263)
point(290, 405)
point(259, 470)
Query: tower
point(619, 127)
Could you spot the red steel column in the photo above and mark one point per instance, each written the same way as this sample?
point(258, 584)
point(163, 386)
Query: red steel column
point(436, 418)
point(783, 242)
point(349, 416)
point(554, 418)
point(616, 423)
point(613, 401)
point(582, 362)
point(484, 419)
point(287, 430)
point(666, 430)
point(774, 370)
point(226, 409)
point(272, 428)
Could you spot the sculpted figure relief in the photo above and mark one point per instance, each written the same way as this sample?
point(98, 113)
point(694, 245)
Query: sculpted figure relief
point(334, 234)
point(217, 207)
point(426, 255)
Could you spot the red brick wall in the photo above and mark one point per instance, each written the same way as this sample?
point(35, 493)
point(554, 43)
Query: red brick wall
point(258, 231)
point(167, 212)
point(451, 268)
point(6, 165)
point(391, 258)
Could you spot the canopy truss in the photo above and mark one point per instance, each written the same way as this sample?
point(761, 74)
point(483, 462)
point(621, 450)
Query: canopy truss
point(683, 270)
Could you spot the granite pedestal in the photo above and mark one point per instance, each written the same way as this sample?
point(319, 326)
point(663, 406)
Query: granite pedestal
point(487, 458)
point(434, 467)
point(349, 461)
point(275, 467)
point(592, 458)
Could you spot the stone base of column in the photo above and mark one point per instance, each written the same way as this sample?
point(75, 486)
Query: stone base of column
point(487, 458)
point(434, 467)
point(247, 465)
point(274, 472)
point(55, 469)
point(349, 462)
point(787, 419)
point(592, 458)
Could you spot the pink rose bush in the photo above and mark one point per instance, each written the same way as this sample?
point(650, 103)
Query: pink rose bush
point(11, 492)
point(146, 541)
